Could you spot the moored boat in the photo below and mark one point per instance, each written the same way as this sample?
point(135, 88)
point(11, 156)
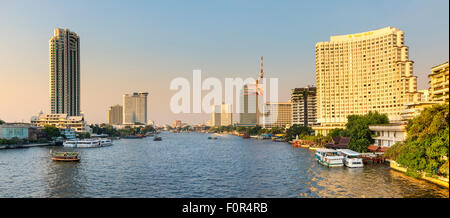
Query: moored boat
point(157, 138)
point(329, 157)
point(351, 158)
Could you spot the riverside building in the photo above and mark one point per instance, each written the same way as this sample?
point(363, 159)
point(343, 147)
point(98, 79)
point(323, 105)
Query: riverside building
point(62, 121)
point(277, 115)
point(304, 102)
point(135, 108)
point(362, 72)
point(64, 63)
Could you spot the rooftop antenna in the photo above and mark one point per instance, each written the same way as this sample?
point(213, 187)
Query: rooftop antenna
point(261, 73)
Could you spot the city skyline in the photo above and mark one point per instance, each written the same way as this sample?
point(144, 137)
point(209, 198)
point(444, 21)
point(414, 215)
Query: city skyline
point(112, 66)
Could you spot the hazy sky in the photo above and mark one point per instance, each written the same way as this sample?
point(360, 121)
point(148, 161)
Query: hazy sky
point(129, 46)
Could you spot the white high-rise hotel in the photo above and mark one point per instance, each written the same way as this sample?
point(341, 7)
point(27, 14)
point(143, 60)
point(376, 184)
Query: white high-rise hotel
point(362, 72)
point(64, 63)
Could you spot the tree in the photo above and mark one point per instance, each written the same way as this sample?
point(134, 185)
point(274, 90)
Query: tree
point(51, 132)
point(357, 128)
point(299, 130)
point(427, 144)
point(338, 132)
point(2, 122)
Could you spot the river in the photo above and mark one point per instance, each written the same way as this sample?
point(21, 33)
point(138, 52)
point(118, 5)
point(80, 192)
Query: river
point(190, 165)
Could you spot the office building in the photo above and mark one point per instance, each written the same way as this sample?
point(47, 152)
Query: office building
point(277, 115)
point(135, 108)
point(363, 72)
point(64, 63)
point(115, 115)
point(304, 110)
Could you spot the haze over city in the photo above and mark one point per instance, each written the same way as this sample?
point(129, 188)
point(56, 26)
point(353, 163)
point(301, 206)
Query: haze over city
point(141, 46)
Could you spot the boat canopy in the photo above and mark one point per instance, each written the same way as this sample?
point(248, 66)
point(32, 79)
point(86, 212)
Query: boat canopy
point(325, 150)
point(349, 152)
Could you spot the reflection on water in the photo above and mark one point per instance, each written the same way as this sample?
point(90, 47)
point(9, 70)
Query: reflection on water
point(190, 165)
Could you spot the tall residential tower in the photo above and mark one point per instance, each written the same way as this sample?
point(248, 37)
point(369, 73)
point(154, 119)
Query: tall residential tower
point(64, 63)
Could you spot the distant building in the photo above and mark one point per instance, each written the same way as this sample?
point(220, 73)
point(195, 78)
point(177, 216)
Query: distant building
point(13, 131)
point(215, 115)
point(252, 102)
point(388, 134)
point(221, 115)
point(439, 83)
point(115, 115)
point(135, 108)
point(64, 49)
point(249, 101)
point(304, 110)
point(62, 121)
point(176, 124)
point(362, 72)
point(277, 115)
point(226, 117)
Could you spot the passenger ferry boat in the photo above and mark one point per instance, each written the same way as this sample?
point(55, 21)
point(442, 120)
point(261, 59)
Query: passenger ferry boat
point(87, 143)
point(65, 156)
point(329, 157)
point(351, 158)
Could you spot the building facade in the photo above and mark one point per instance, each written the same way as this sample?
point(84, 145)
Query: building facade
point(135, 108)
point(115, 115)
point(362, 72)
point(439, 80)
point(221, 115)
point(62, 121)
point(304, 111)
point(388, 135)
point(8, 131)
point(215, 115)
point(277, 115)
point(226, 115)
point(64, 64)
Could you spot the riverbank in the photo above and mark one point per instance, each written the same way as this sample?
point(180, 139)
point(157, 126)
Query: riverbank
point(443, 182)
point(25, 145)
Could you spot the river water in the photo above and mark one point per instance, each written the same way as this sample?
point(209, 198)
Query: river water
point(190, 165)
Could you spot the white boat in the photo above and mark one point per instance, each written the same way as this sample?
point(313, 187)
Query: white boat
point(351, 158)
point(87, 143)
point(329, 157)
point(105, 142)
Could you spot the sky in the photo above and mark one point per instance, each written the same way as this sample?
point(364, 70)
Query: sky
point(131, 46)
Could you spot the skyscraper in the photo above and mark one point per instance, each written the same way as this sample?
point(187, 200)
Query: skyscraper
point(64, 63)
point(363, 72)
point(304, 106)
point(135, 108)
point(115, 115)
point(251, 102)
point(215, 115)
